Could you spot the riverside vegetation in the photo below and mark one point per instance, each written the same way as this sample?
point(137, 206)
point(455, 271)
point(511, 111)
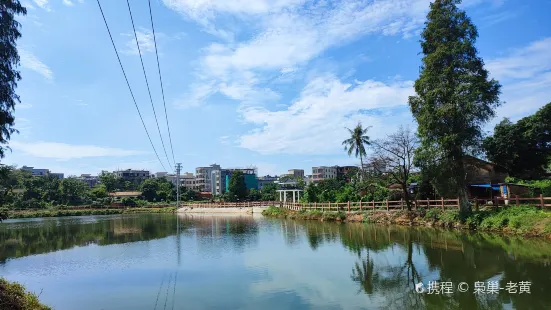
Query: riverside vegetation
point(14, 296)
point(521, 220)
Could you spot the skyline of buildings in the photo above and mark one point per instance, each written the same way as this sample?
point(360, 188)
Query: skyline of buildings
point(213, 178)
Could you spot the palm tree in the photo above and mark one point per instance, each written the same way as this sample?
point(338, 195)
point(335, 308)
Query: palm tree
point(357, 142)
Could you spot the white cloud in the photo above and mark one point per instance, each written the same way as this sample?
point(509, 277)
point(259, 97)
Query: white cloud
point(63, 151)
point(311, 124)
point(68, 2)
point(145, 39)
point(42, 4)
point(30, 61)
point(289, 34)
point(526, 77)
point(523, 63)
point(196, 96)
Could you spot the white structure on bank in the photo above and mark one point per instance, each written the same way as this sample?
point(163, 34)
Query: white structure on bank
point(283, 194)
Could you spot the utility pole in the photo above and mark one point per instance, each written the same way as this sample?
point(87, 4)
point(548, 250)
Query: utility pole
point(178, 169)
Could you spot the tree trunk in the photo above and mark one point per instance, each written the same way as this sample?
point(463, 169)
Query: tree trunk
point(406, 196)
point(464, 204)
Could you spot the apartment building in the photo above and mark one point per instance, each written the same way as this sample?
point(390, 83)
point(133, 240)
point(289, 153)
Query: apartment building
point(323, 173)
point(296, 173)
point(89, 179)
point(189, 181)
point(343, 171)
point(42, 172)
point(208, 178)
point(136, 176)
point(263, 181)
point(251, 180)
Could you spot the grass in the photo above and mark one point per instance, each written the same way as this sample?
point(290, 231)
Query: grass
point(65, 212)
point(521, 220)
point(14, 296)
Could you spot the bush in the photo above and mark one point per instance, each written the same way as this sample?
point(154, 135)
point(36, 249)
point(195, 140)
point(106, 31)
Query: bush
point(13, 296)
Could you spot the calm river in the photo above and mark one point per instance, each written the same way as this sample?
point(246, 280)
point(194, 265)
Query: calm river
point(164, 261)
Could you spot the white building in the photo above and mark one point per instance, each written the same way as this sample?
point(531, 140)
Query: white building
point(208, 178)
point(324, 173)
point(42, 172)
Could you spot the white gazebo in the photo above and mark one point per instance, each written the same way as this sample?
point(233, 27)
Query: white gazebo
point(283, 194)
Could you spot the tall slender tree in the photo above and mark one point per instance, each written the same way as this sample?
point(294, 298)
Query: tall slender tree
point(455, 98)
point(357, 142)
point(9, 61)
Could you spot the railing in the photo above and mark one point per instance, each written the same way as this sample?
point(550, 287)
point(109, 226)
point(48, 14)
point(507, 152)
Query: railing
point(385, 205)
point(244, 204)
point(441, 203)
point(540, 201)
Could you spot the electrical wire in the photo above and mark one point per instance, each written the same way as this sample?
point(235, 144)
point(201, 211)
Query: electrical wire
point(128, 84)
point(161, 81)
point(147, 84)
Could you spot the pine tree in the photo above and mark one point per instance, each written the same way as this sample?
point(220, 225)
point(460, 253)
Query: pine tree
point(455, 98)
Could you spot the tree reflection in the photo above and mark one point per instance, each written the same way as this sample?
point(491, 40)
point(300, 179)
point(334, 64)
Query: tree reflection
point(447, 256)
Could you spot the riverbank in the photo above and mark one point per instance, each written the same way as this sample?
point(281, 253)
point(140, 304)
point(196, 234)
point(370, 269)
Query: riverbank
point(14, 296)
point(521, 220)
point(84, 212)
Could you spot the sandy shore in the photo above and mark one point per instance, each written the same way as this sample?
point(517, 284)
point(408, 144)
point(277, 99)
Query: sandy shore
point(250, 210)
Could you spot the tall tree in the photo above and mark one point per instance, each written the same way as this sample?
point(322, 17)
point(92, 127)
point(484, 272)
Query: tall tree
point(394, 155)
point(9, 61)
point(237, 188)
point(357, 142)
point(455, 97)
point(524, 148)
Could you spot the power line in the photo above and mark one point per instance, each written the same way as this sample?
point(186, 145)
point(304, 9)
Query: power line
point(128, 84)
point(161, 81)
point(147, 84)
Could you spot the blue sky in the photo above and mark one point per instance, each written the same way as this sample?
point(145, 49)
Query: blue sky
point(270, 83)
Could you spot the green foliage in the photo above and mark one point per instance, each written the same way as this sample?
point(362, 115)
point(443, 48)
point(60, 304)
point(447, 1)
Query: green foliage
point(523, 148)
point(254, 195)
point(9, 33)
point(537, 187)
point(357, 142)
point(455, 97)
point(237, 188)
point(13, 296)
point(269, 192)
point(522, 219)
point(73, 191)
point(99, 192)
point(158, 189)
point(275, 211)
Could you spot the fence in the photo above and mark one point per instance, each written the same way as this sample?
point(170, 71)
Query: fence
point(441, 203)
point(244, 204)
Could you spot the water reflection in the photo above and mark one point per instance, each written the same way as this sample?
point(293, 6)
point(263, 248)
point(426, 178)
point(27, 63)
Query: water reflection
point(249, 263)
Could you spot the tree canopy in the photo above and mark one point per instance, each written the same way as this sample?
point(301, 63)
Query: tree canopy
point(454, 97)
point(9, 75)
point(237, 188)
point(524, 148)
point(357, 142)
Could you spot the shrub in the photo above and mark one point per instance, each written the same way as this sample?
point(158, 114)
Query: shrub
point(14, 296)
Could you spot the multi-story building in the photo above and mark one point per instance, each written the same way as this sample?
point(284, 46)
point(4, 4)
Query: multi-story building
point(343, 171)
point(89, 179)
point(263, 181)
point(251, 181)
point(189, 181)
point(323, 173)
point(296, 173)
point(137, 176)
point(42, 172)
point(208, 178)
point(36, 172)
